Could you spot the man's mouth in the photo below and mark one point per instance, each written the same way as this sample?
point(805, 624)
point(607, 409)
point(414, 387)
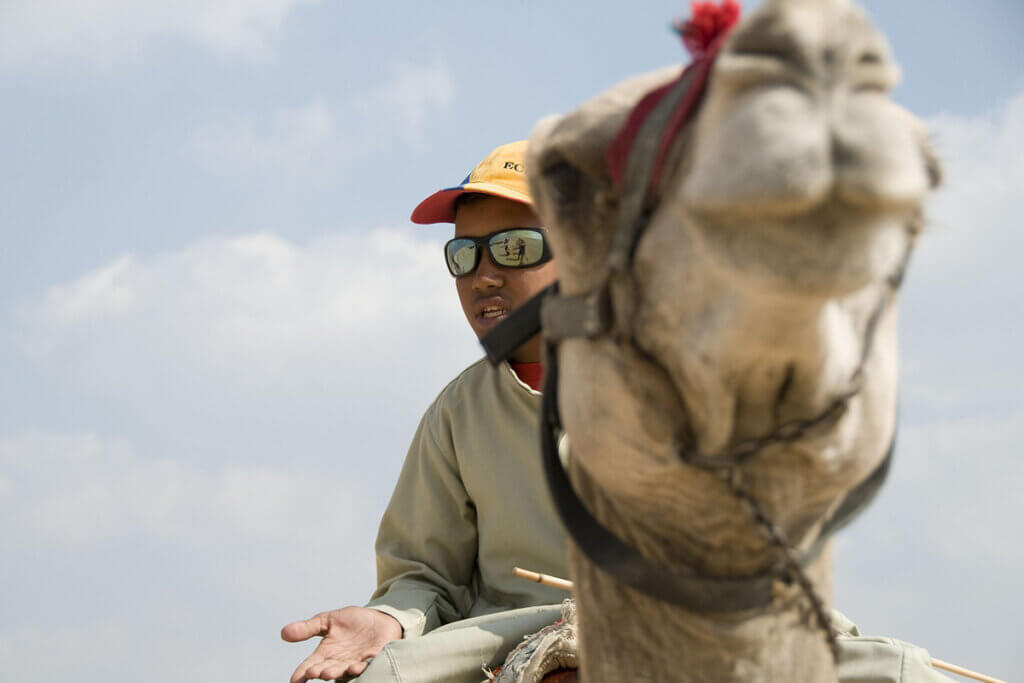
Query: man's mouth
point(489, 312)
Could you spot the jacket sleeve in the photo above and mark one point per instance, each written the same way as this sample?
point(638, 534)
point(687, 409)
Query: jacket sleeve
point(869, 659)
point(427, 542)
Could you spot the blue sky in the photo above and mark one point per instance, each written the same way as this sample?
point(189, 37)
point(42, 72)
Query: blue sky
point(219, 329)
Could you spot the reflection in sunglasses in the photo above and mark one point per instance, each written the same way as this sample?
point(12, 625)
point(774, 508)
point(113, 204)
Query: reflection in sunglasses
point(509, 248)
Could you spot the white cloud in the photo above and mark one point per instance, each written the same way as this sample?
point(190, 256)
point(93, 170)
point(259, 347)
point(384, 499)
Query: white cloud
point(972, 459)
point(258, 345)
point(97, 294)
point(294, 142)
point(934, 560)
point(977, 455)
point(972, 216)
point(254, 297)
point(120, 562)
point(964, 280)
point(36, 32)
point(984, 150)
point(80, 493)
point(260, 396)
point(305, 142)
point(405, 100)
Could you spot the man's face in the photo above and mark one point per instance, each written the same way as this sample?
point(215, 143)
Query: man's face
point(490, 292)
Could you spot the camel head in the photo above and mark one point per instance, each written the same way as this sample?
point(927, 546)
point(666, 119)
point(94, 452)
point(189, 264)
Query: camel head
point(796, 135)
point(761, 287)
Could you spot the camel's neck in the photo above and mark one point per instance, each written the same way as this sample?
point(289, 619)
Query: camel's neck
point(721, 361)
point(675, 645)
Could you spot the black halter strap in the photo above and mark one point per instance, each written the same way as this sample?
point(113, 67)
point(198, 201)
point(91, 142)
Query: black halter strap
point(680, 586)
point(521, 324)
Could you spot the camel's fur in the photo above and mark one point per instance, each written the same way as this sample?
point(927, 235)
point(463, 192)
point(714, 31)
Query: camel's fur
point(787, 202)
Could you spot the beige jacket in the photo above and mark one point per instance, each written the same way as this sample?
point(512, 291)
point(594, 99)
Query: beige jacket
point(470, 504)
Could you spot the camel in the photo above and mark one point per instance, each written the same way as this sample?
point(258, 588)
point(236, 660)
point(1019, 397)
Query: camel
point(747, 381)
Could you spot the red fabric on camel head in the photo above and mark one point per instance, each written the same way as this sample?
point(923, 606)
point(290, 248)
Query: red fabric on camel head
point(702, 35)
point(708, 20)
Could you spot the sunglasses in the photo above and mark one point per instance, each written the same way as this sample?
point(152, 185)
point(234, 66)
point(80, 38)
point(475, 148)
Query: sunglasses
point(508, 248)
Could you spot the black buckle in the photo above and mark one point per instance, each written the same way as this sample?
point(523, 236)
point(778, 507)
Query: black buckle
point(578, 315)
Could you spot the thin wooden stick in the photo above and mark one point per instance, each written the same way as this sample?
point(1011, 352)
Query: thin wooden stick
point(552, 581)
point(939, 664)
point(556, 582)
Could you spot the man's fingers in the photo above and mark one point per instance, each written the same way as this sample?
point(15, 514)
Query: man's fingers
point(333, 670)
point(328, 670)
point(302, 630)
point(336, 669)
point(357, 668)
point(301, 674)
point(311, 668)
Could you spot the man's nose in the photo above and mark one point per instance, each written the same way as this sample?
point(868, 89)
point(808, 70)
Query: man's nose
point(487, 276)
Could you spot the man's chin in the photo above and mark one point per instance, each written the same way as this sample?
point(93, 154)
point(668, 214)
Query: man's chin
point(482, 325)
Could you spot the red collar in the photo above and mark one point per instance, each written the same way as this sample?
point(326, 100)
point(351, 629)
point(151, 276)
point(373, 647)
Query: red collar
point(531, 374)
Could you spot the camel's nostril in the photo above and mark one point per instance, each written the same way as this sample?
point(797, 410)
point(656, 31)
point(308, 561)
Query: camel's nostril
point(933, 167)
point(869, 58)
point(841, 154)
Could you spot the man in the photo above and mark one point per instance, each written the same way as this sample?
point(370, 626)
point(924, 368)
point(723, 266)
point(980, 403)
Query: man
point(471, 501)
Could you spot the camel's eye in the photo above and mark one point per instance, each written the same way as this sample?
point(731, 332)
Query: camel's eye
point(564, 180)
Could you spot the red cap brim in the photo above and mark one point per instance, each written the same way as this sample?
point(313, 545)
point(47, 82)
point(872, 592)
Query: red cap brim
point(440, 206)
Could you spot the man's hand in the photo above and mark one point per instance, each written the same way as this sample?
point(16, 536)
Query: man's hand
point(351, 635)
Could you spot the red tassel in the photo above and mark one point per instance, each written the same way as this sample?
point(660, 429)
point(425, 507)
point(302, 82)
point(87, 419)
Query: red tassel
point(703, 35)
point(707, 22)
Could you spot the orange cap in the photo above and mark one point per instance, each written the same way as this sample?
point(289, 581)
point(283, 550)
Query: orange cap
point(501, 174)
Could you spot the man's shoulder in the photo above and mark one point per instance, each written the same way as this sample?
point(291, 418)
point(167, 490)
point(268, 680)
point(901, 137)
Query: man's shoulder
point(484, 387)
point(466, 389)
point(467, 383)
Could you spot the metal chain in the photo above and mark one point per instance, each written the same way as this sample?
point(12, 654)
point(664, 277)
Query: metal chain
point(777, 537)
point(787, 433)
point(727, 464)
point(797, 429)
point(727, 467)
